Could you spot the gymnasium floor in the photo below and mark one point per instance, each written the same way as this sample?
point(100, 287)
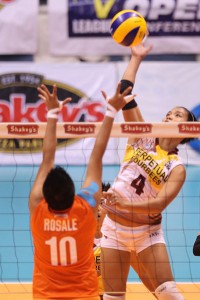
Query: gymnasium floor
point(22, 291)
point(181, 223)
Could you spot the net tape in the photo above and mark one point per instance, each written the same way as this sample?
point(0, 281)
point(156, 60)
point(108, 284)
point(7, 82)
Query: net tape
point(84, 129)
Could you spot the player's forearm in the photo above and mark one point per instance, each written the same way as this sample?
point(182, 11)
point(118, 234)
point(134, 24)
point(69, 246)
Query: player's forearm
point(49, 144)
point(102, 138)
point(131, 112)
point(149, 206)
point(132, 68)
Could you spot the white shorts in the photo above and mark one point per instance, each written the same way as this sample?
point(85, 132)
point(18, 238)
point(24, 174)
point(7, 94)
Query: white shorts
point(117, 236)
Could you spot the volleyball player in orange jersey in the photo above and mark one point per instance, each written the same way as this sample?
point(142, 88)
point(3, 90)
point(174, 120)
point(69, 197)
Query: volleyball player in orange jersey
point(63, 224)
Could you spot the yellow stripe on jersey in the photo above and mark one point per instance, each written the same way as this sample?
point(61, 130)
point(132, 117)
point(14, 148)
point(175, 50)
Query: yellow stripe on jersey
point(156, 163)
point(97, 254)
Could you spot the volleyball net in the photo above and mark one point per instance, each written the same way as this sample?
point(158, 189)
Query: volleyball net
point(89, 129)
point(20, 156)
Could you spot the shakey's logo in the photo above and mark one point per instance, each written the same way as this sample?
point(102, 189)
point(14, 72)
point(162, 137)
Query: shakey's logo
point(6, 2)
point(138, 128)
point(19, 103)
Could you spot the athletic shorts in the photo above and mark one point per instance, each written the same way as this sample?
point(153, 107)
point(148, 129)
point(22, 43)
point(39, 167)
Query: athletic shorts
point(117, 236)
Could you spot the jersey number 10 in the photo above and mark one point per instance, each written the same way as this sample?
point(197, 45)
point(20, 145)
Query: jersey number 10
point(58, 250)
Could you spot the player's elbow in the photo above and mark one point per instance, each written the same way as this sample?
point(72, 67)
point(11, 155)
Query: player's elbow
point(196, 250)
point(196, 246)
point(158, 207)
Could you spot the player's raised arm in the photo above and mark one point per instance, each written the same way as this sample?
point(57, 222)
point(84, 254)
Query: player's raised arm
point(49, 144)
point(131, 111)
point(94, 170)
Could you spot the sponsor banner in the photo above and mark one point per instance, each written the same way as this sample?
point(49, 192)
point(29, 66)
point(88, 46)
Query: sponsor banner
point(18, 26)
point(159, 88)
point(19, 103)
point(174, 26)
point(87, 129)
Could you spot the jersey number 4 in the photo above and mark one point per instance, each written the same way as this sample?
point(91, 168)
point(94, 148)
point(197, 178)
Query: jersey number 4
point(138, 184)
point(58, 250)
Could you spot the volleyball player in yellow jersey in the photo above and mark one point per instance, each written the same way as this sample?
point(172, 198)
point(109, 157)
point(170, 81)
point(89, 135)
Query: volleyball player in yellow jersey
point(63, 224)
point(97, 241)
point(150, 178)
point(97, 250)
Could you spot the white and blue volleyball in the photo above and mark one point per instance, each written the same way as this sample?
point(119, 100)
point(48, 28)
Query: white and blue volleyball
point(128, 28)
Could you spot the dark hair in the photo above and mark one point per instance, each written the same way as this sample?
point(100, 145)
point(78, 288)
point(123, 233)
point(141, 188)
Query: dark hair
point(191, 118)
point(58, 189)
point(105, 186)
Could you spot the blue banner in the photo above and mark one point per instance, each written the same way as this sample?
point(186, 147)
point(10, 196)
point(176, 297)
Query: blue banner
point(91, 18)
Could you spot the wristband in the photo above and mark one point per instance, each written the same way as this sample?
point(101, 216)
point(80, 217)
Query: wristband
point(124, 85)
point(131, 104)
point(111, 111)
point(53, 113)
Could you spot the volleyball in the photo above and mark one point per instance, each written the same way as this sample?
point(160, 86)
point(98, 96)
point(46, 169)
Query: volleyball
point(128, 28)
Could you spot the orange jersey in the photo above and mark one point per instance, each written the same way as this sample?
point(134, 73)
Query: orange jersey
point(63, 252)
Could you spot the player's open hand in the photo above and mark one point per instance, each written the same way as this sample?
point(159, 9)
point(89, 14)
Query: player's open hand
point(141, 50)
point(51, 99)
point(119, 99)
point(113, 200)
